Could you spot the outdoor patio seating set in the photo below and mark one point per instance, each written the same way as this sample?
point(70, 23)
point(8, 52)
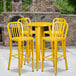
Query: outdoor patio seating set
point(21, 31)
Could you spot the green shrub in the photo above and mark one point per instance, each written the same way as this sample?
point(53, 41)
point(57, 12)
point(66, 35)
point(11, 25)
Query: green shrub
point(65, 8)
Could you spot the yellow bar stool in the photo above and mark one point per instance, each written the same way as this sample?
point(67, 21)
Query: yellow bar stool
point(28, 32)
point(59, 20)
point(47, 32)
point(58, 32)
point(15, 31)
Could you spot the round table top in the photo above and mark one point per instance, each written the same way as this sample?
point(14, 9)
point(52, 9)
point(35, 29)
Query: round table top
point(41, 24)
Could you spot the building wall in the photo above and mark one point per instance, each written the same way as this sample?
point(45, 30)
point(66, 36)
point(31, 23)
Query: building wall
point(43, 6)
point(1, 26)
point(16, 5)
point(1, 19)
point(46, 17)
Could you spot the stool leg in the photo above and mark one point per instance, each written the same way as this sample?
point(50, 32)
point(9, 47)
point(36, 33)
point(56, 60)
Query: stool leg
point(22, 53)
point(30, 49)
point(30, 34)
point(55, 47)
point(42, 57)
point(10, 55)
point(64, 53)
point(26, 54)
point(52, 52)
point(25, 58)
point(32, 44)
point(27, 51)
point(19, 56)
point(43, 49)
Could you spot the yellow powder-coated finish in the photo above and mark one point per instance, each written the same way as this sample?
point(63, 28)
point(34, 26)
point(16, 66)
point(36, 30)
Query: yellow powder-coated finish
point(58, 32)
point(38, 37)
point(15, 31)
point(39, 24)
point(55, 20)
point(59, 20)
point(26, 30)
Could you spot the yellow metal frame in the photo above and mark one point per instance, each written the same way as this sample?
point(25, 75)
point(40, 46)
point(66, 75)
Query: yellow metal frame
point(47, 32)
point(59, 20)
point(26, 29)
point(38, 37)
point(58, 33)
point(28, 32)
point(58, 56)
point(15, 31)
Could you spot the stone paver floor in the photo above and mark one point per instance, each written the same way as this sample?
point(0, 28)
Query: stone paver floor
point(48, 68)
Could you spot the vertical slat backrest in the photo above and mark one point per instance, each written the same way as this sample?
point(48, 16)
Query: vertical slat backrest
point(54, 21)
point(15, 29)
point(60, 29)
point(59, 20)
point(24, 22)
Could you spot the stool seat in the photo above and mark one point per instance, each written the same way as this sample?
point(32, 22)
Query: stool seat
point(53, 38)
point(21, 38)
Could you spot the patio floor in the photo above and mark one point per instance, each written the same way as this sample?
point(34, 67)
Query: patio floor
point(48, 68)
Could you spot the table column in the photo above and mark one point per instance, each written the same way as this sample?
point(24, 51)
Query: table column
point(37, 37)
point(42, 35)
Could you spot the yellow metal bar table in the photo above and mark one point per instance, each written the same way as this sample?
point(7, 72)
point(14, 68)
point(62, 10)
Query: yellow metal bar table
point(38, 36)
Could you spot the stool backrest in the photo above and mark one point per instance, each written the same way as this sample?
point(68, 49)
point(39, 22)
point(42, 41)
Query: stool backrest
point(59, 29)
point(24, 22)
point(59, 20)
point(15, 29)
